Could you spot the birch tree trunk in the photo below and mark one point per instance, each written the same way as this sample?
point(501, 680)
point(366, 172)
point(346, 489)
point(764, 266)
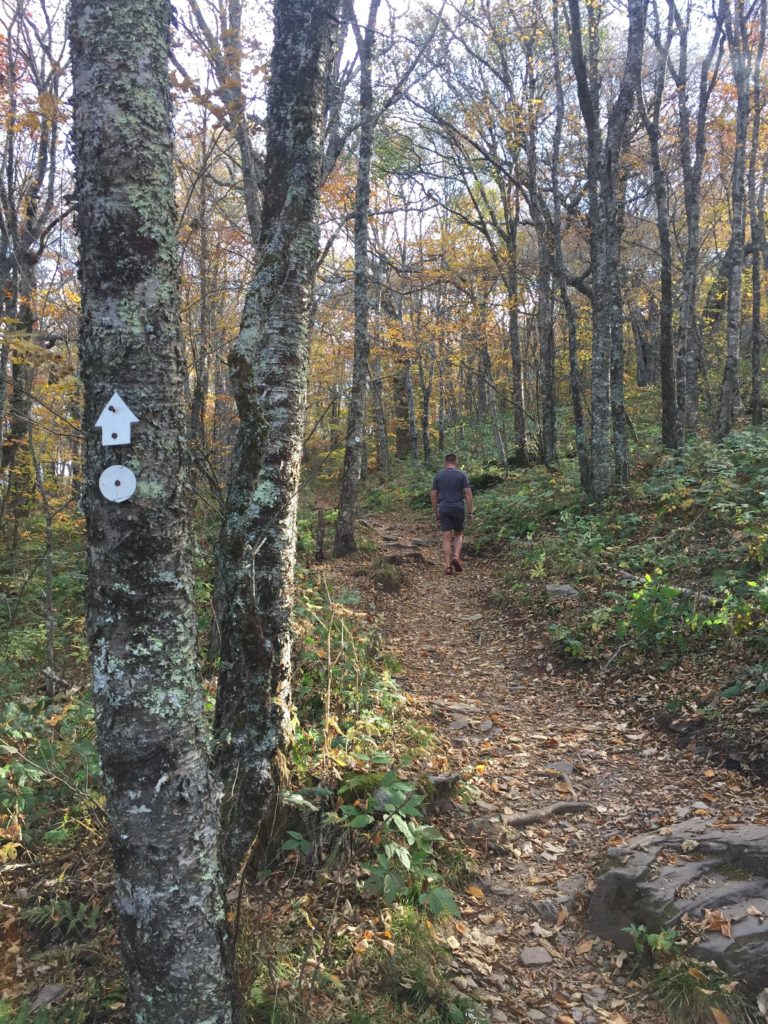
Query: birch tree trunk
point(344, 540)
point(576, 385)
point(516, 356)
point(161, 800)
point(544, 303)
point(757, 224)
point(603, 160)
point(737, 33)
point(692, 145)
point(413, 433)
point(493, 405)
point(268, 373)
point(670, 435)
point(426, 383)
point(380, 419)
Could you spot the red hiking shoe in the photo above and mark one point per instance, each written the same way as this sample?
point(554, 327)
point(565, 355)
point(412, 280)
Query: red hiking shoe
point(448, 570)
point(457, 565)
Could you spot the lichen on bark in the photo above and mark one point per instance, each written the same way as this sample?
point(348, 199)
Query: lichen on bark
point(161, 798)
point(268, 367)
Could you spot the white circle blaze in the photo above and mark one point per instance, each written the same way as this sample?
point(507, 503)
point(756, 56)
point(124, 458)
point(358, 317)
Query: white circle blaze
point(117, 483)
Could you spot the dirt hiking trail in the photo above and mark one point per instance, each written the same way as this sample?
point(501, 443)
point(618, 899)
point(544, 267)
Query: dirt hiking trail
point(526, 732)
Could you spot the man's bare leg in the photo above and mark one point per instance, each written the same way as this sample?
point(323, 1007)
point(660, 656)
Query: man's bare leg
point(447, 548)
point(458, 540)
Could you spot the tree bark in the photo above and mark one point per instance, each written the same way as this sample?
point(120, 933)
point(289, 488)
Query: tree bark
point(426, 382)
point(516, 356)
point(670, 436)
point(603, 163)
point(757, 225)
point(161, 800)
point(574, 374)
point(692, 145)
point(413, 433)
point(737, 33)
point(268, 372)
point(380, 419)
point(344, 540)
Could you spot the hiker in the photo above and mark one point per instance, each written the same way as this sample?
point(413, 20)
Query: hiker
point(450, 491)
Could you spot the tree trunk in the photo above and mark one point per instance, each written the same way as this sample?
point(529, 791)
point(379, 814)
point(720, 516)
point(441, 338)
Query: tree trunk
point(441, 403)
point(603, 160)
point(344, 540)
point(426, 378)
point(516, 360)
point(544, 305)
point(161, 800)
point(576, 386)
point(493, 406)
point(268, 373)
point(400, 386)
point(379, 417)
point(670, 435)
point(757, 225)
point(737, 32)
point(413, 433)
point(692, 165)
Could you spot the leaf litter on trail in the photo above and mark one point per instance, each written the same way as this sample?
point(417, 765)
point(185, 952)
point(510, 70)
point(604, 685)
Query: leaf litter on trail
point(535, 878)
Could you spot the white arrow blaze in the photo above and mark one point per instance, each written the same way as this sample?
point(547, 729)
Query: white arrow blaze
point(115, 421)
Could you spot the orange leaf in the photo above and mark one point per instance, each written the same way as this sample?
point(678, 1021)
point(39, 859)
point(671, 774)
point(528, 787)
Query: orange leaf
point(719, 1017)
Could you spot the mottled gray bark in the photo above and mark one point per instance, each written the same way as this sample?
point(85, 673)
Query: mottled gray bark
point(651, 117)
point(413, 433)
point(757, 223)
point(161, 801)
point(737, 32)
point(576, 385)
point(4, 374)
point(493, 405)
point(254, 578)
point(426, 382)
point(400, 382)
point(544, 301)
point(604, 150)
point(441, 398)
point(379, 417)
point(344, 540)
point(516, 355)
point(692, 142)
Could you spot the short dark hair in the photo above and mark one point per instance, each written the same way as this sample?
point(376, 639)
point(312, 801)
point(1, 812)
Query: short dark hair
point(451, 458)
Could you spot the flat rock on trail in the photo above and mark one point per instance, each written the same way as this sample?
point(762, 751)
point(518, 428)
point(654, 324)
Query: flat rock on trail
point(527, 733)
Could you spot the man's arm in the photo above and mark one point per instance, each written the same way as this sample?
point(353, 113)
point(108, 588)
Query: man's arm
point(433, 496)
point(469, 500)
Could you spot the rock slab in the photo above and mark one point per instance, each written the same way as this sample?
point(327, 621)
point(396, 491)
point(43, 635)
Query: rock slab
point(693, 867)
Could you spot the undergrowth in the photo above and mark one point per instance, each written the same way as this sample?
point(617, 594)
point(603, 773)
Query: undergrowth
point(671, 576)
point(691, 991)
point(341, 900)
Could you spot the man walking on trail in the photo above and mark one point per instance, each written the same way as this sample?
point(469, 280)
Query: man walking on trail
point(450, 492)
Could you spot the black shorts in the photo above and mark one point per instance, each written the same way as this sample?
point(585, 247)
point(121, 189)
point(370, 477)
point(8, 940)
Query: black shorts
point(452, 519)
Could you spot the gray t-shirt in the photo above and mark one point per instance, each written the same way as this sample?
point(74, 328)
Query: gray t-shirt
point(450, 484)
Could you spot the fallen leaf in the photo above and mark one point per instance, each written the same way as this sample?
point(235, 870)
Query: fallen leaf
point(585, 946)
point(475, 892)
point(719, 1017)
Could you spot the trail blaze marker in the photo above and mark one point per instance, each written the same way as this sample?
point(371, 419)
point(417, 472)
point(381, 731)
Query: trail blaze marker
point(117, 483)
point(116, 420)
